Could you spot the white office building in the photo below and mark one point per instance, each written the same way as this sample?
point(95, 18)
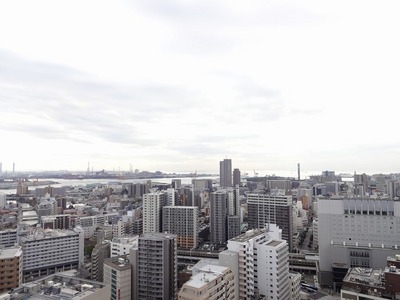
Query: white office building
point(47, 251)
point(358, 232)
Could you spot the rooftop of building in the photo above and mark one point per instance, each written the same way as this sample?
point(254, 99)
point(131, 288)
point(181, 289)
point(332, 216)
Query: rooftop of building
point(250, 234)
point(273, 243)
point(205, 275)
point(126, 240)
point(394, 259)
point(57, 286)
point(8, 253)
point(205, 262)
point(365, 276)
point(8, 231)
point(157, 235)
point(120, 263)
point(39, 234)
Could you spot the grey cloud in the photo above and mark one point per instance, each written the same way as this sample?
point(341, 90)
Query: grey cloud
point(258, 102)
point(76, 103)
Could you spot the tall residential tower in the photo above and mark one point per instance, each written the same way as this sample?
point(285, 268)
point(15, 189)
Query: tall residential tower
point(225, 173)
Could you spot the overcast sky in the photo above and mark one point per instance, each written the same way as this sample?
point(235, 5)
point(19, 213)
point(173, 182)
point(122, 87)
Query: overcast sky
point(179, 85)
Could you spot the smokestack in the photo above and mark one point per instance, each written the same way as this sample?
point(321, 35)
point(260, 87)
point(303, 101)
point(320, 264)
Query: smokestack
point(13, 167)
point(298, 171)
point(1, 168)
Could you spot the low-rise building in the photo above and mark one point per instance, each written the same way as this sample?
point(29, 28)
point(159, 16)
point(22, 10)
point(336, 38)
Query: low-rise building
point(60, 286)
point(373, 283)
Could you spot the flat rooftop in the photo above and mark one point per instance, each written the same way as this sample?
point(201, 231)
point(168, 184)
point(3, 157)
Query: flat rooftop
point(248, 235)
point(119, 263)
point(60, 286)
point(8, 253)
point(274, 243)
point(205, 275)
point(366, 276)
point(39, 234)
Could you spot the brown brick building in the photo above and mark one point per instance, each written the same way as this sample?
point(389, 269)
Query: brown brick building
point(10, 268)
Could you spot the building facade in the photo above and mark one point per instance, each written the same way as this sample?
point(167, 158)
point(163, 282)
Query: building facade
point(219, 217)
point(210, 283)
point(276, 209)
point(118, 275)
point(8, 238)
point(100, 252)
point(49, 251)
point(181, 221)
point(355, 232)
point(260, 261)
point(152, 211)
point(10, 268)
point(157, 266)
point(225, 173)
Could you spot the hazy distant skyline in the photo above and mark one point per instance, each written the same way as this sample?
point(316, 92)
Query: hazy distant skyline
point(178, 86)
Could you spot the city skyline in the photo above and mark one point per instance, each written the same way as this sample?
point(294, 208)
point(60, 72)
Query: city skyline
point(178, 86)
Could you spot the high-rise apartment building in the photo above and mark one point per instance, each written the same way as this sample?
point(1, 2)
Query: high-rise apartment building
point(361, 182)
point(56, 221)
point(202, 184)
point(355, 232)
point(236, 177)
point(152, 210)
point(157, 266)
point(100, 252)
point(137, 190)
point(274, 208)
point(219, 217)
point(225, 173)
point(10, 268)
point(49, 251)
point(224, 215)
point(172, 195)
point(260, 262)
point(181, 221)
point(176, 183)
